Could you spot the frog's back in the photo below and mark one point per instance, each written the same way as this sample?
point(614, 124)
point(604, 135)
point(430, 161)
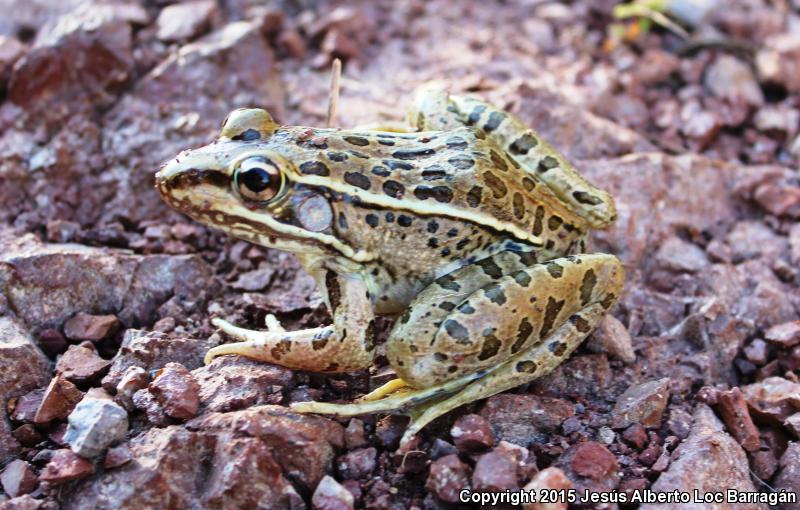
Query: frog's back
point(454, 173)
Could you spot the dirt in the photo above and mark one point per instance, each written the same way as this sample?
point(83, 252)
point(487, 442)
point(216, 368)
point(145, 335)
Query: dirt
point(692, 384)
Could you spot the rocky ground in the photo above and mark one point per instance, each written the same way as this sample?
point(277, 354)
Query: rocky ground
point(106, 294)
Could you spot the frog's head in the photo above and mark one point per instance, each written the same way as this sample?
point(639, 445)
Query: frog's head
point(243, 186)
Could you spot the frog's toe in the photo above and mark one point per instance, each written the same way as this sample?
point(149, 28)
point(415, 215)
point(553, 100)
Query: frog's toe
point(392, 387)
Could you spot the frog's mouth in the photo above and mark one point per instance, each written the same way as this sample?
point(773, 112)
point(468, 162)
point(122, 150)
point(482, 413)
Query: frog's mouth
point(206, 195)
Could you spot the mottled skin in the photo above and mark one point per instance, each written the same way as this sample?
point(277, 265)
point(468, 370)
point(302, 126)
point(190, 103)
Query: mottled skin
point(471, 228)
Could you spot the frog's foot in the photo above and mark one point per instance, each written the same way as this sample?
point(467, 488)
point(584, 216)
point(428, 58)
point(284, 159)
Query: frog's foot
point(399, 400)
point(393, 386)
point(249, 340)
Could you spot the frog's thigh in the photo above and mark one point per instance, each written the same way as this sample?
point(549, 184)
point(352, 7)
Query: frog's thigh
point(502, 319)
point(520, 369)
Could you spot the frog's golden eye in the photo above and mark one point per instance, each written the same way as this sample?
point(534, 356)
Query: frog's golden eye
point(257, 179)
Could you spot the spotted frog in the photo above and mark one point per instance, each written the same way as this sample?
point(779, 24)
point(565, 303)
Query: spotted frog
point(466, 225)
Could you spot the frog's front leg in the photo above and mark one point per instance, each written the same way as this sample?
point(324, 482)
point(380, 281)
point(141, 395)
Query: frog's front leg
point(344, 346)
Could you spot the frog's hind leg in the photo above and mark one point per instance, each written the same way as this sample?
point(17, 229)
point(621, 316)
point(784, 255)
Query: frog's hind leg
point(530, 365)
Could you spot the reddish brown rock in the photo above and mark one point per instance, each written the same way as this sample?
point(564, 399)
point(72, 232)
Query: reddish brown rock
point(52, 342)
point(59, 399)
point(10, 51)
point(84, 326)
point(731, 78)
point(591, 460)
point(773, 399)
point(81, 365)
point(525, 419)
point(550, 479)
point(134, 379)
point(180, 22)
point(678, 255)
point(733, 409)
point(151, 351)
point(778, 62)
point(66, 466)
point(471, 434)
point(707, 460)
point(612, 336)
point(354, 435)
point(330, 495)
point(176, 391)
point(117, 456)
point(495, 471)
point(447, 478)
point(786, 334)
point(357, 464)
point(302, 444)
point(636, 435)
point(18, 478)
point(789, 476)
point(643, 403)
point(231, 383)
point(23, 367)
point(24, 408)
point(389, 430)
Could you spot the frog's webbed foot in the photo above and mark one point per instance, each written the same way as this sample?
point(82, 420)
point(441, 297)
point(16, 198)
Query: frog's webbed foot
point(392, 387)
point(249, 340)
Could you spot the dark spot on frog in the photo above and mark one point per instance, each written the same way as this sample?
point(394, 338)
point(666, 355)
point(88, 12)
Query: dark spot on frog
point(404, 221)
point(497, 186)
point(342, 221)
point(554, 269)
point(475, 115)
point(461, 162)
point(581, 324)
point(438, 356)
point(381, 171)
point(333, 289)
point(369, 336)
point(526, 366)
point(445, 252)
point(551, 312)
point(547, 163)
point(466, 308)
point(557, 348)
point(413, 153)
point(358, 180)
point(441, 194)
point(524, 331)
point(398, 165)
point(372, 220)
point(389, 217)
point(433, 226)
point(394, 189)
point(498, 161)
point(522, 278)
point(554, 222)
point(388, 143)
point(247, 135)
point(462, 243)
point(495, 294)
point(490, 348)
point(495, 119)
point(447, 282)
point(538, 225)
point(315, 168)
point(433, 242)
point(433, 173)
point(447, 306)
point(490, 268)
point(608, 300)
point(452, 232)
point(456, 143)
point(358, 154)
point(523, 144)
point(319, 344)
point(550, 244)
point(474, 196)
point(356, 140)
point(519, 206)
point(457, 331)
point(528, 183)
point(587, 286)
point(586, 198)
point(337, 156)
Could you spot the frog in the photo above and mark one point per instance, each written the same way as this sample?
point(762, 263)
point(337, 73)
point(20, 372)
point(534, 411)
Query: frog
point(464, 225)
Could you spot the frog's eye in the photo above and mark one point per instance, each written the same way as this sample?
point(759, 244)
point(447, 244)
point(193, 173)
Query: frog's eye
point(257, 179)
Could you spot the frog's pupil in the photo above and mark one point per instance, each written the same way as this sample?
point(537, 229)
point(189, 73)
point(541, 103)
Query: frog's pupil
point(255, 179)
